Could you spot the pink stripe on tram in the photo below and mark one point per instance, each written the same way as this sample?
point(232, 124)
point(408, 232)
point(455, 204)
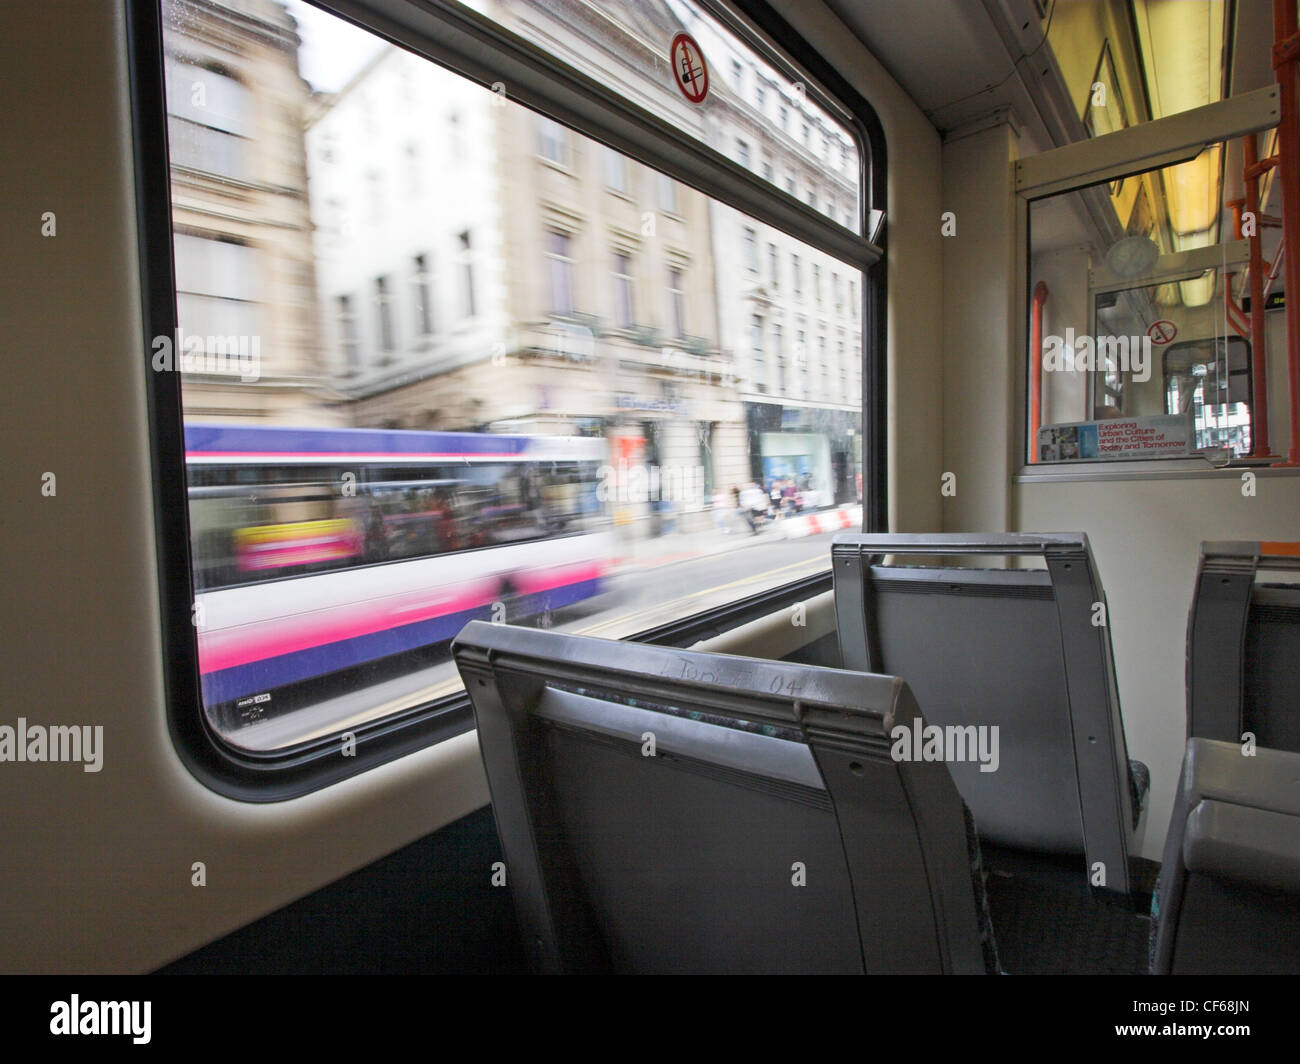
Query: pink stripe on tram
point(275, 636)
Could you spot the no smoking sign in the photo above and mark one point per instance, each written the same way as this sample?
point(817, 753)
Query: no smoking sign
point(689, 69)
point(1162, 331)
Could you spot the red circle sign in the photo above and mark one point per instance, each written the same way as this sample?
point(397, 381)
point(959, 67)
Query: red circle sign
point(689, 69)
point(1162, 331)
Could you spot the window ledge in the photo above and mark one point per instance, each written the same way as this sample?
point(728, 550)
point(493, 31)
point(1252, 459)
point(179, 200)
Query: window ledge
point(551, 164)
point(1141, 469)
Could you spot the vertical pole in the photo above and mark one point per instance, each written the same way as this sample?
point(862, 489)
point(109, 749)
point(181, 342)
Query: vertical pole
point(1036, 368)
point(1258, 368)
point(1288, 151)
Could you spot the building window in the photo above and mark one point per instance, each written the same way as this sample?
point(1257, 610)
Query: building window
point(801, 361)
point(835, 291)
point(423, 306)
point(785, 117)
point(796, 275)
point(667, 194)
point(208, 120)
point(767, 170)
point(773, 266)
point(559, 273)
point(455, 136)
point(384, 313)
point(789, 183)
point(413, 168)
point(552, 141)
point(737, 70)
point(844, 370)
point(218, 294)
point(676, 301)
point(623, 305)
point(756, 353)
point(467, 303)
point(825, 367)
point(817, 282)
point(751, 250)
point(348, 340)
point(615, 171)
point(760, 95)
point(742, 153)
point(334, 221)
point(778, 353)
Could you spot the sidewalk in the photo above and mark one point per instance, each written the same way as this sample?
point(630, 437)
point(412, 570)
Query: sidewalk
point(654, 551)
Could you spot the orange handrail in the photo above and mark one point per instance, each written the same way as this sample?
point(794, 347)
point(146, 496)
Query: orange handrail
point(1258, 344)
point(1288, 172)
point(1036, 368)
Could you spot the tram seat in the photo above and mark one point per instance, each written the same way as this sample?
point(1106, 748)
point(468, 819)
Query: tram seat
point(766, 829)
point(1025, 651)
point(1243, 647)
point(1228, 901)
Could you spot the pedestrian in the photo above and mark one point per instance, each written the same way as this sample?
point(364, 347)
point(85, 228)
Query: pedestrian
point(720, 512)
point(754, 500)
point(743, 510)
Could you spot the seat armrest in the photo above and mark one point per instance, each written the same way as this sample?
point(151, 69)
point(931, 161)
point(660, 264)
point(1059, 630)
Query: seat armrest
point(1219, 771)
point(1248, 845)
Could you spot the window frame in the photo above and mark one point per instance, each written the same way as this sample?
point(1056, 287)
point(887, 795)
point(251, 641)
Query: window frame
point(1096, 162)
point(615, 173)
point(676, 289)
point(422, 289)
point(385, 323)
point(560, 140)
point(623, 271)
point(559, 268)
point(468, 43)
point(349, 336)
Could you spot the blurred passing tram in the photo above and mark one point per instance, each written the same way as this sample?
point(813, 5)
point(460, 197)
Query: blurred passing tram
point(318, 551)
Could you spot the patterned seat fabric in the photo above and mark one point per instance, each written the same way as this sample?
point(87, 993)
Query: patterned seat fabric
point(1153, 934)
point(1139, 782)
point(988, 941)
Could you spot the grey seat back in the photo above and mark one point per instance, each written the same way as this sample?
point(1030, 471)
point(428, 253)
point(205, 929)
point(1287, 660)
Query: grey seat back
point(1025, 651)
point(1229, 893)
point(1243, 647)
point(671, 811)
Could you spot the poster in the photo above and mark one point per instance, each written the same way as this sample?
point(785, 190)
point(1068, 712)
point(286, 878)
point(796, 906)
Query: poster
point(1150, 436)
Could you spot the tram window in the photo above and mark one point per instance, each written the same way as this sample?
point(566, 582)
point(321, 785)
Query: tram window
point(622, 33)
point(1131, 355)
point(1211, 379)
point(506, 395)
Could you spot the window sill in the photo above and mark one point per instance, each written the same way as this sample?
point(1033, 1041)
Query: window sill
point(1140, 469)
point(551, 164)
